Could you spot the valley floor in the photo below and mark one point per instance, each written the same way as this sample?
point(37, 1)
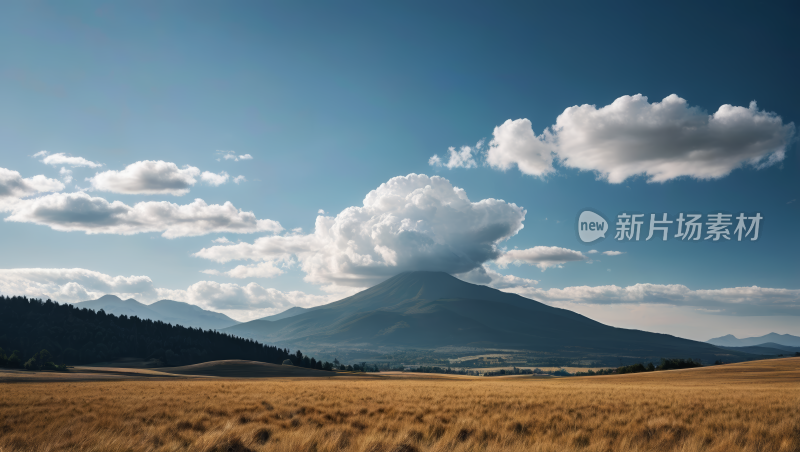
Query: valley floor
point(752, 406)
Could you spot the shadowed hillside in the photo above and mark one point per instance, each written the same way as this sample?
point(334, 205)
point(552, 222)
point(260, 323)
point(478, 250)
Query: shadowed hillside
point(79, 336)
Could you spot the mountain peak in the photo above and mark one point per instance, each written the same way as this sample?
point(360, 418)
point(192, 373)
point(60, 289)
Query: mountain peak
point(109, 297)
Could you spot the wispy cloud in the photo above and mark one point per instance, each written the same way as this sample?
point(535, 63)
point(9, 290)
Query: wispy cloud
point(230, 155)
point(63, 159)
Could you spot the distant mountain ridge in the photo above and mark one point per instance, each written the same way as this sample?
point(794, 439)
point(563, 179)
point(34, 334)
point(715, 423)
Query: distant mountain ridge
point(433, 310)
point(167, 311)
point(774, 338)
point(765, 349)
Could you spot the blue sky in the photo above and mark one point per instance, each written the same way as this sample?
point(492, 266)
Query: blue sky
point(333, 100)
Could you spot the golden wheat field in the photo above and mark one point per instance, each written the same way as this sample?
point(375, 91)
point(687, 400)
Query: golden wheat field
point(740, 407)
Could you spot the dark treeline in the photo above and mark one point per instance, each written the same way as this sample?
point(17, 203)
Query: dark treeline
point(442, 370)
point(70, 335)
point(666, 364)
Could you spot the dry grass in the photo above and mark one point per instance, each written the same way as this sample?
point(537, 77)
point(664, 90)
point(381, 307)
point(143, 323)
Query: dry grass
point(740, 407)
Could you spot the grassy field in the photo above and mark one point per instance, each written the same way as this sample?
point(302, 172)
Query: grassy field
point(751, 406)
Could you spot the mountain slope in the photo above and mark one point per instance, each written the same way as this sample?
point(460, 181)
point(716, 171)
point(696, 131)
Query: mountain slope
point(167, 311)
point(177, 312)
point(780, 339)
point(291, 312)
point(431, 310)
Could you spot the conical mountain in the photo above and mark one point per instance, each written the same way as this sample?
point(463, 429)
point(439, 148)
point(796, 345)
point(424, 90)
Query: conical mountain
point(434, 310)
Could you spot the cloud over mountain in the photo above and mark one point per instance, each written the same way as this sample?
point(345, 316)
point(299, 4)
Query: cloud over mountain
point(413, 222)
point(93, 215)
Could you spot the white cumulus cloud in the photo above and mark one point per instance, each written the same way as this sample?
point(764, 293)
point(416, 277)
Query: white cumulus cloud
point(214, 179)
point(660, 140)
point(266, 269)
point(540, 256)
point(66, 175)
point(613, 253)
point(13, 187)
point(413, 222)
point(93, 215)
point(239, 179)
point(514, 143)
point(147, 177)
point(243, 302)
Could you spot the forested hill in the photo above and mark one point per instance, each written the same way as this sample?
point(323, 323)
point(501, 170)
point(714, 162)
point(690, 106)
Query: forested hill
point(81, 336)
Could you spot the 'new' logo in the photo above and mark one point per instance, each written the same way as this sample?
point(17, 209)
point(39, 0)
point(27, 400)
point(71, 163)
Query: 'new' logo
point(591, 226)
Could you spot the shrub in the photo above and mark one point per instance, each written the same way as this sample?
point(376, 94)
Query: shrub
point(15, 360)
point(31, 364)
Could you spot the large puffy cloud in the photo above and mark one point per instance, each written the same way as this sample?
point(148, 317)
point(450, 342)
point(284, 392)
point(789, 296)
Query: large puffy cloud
point(13, 187)
point(148, 177)
point(668, 139)
point(730, 301)
point(540, 256)
point(63, 159)
point(92, 215)
point(413, 222)
point(660, 140)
